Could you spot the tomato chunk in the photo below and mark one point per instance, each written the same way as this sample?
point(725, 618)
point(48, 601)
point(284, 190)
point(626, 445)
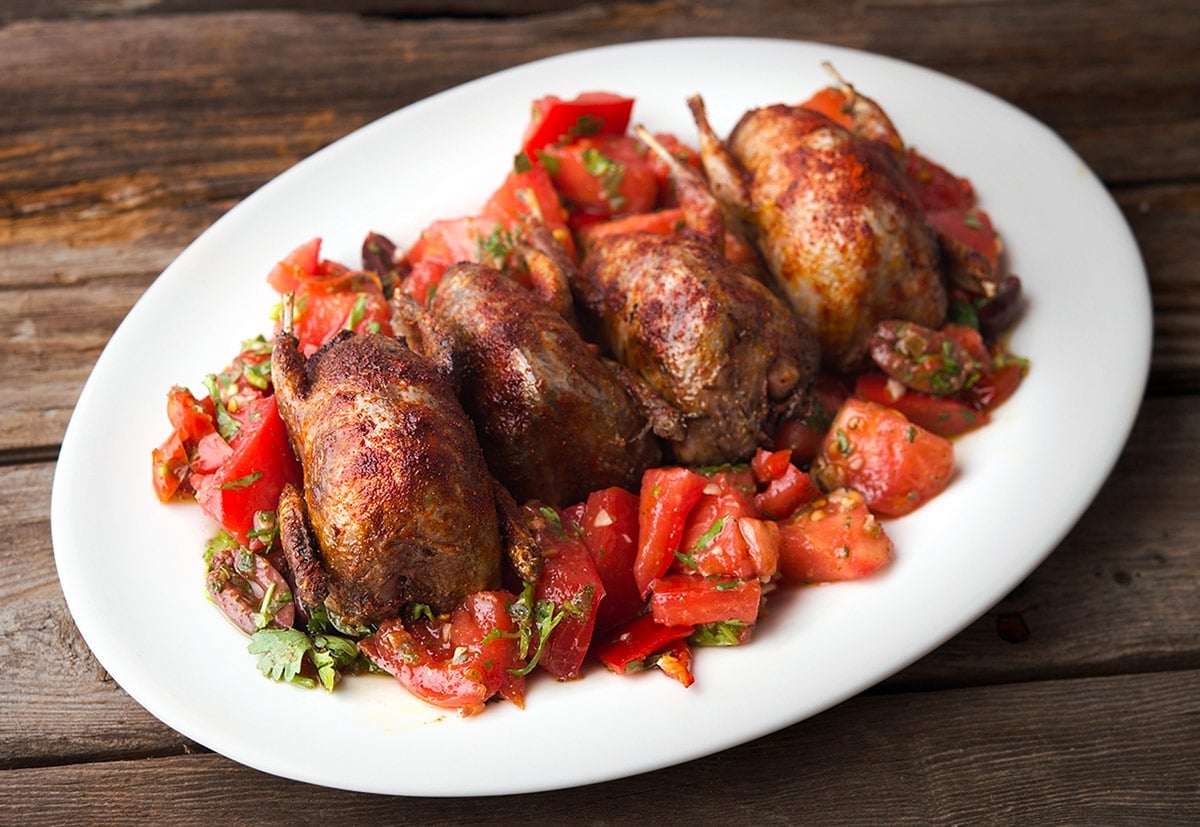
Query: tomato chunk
point(832, 538)
point(458, 663)
point(573, 591)
point(251, 479)
point(666, 499)
point(943, 415)
point(603, 176)
point(609, 520)
point(692, 600)
point(896, 464)
point(555, 120)
point(301, 262)
point(630, 647)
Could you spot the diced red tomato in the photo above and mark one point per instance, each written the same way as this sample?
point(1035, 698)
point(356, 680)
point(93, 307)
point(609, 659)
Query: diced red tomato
point(936, 187)
point(571, 583)
point(762, 544)
point(833, 538)
point(251, 478)
point(555, 120)
point(996, 387)
point(296, 265)
point(666, 499)
point(604, 175)
point(609, 521)
point(459, 667)
point(529, 196)
point(973, 228)
point(629, 647)
point(896, 464)
point(692, 600)
point(945, 416)
point(786, 487)
point(324, 304)
point(712, 542)
point(193, 418)
point(169, 462)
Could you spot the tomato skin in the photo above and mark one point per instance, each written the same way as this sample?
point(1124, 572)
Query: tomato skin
point(453, 664)
point(530, 196)
point(609, 521)
point(896, 464)
point(604, 175)
point(233, 494)
point(627, 648)
point(833, 538)
point(936, 187)
point(973, 228)
point(997, 387)
point(570, 581)
point(285, 276)
point(692, 600)
point(169, 464)
point(556, 120)
point(942, 415)
point(666, 499)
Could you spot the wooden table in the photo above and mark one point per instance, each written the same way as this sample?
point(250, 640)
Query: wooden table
point(127, 128)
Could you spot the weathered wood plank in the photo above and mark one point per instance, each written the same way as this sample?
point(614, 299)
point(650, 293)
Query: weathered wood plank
point(1118, 595)
point(1010, 755)
point(97, 194)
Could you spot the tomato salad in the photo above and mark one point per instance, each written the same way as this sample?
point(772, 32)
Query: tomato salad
point(633, 579)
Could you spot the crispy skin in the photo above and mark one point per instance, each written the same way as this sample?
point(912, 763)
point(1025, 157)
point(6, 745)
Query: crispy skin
point(842, 233)
point(554, 422)
point(396, 489)
point(714, 343)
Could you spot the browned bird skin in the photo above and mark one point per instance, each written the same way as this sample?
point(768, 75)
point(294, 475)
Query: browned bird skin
point(841, 232)
point(716, 344)
point(397, 493)
point(554, 422)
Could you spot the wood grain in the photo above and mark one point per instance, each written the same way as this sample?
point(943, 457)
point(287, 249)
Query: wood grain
point(102, 184)
point(904, 756)
point(131, 125)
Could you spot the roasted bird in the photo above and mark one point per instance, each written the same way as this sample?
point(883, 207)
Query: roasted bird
point(842, 234)
point(555, 422)
point(713, 342)
point(398, 506)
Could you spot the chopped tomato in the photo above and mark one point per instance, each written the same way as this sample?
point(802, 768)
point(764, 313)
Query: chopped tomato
point(936, 187)
point(997, 387)
point(945, 416)
point(604, 175)
point(609, 521)
point(712, 542)
point(456, 664)
point(663, 222)
point(973, 228)
point(250, 480)
point(629, 647)
point(762, 544)
point(786, 487)
point(529, 196)
point(666, 499)
point(804, 437)
point(297, 264)
point(896, 464)
point(169, 462)
point(570, 584)
point(692, 600)
point(338, 299)
point(192, 417)
point(555, 120)
point(832, 538)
